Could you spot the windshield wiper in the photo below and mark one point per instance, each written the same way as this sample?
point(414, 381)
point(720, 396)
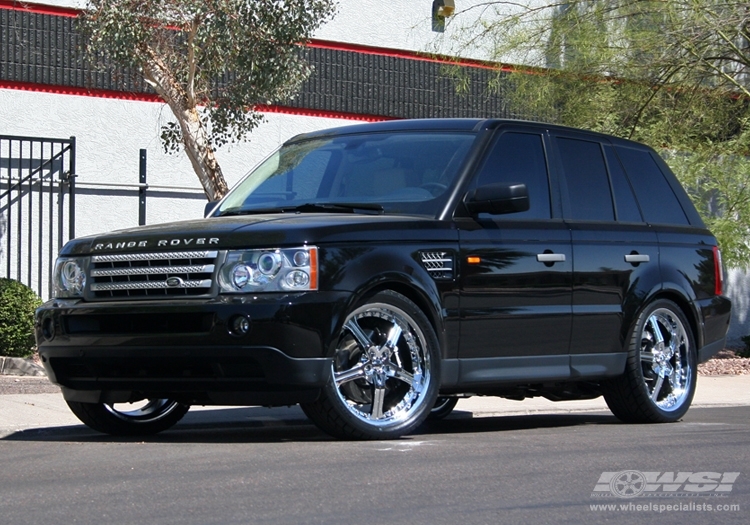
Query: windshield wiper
point(310, 207)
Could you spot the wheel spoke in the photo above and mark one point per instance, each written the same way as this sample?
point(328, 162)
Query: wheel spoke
point(363, 341)
point(353, 373)
point(378, 399)
point(657, 388)
point(401, 374)
point(656, 330)
point(393, 336)
point(674, 345)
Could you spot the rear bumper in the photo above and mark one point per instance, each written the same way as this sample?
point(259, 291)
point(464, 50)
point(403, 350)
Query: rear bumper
point(716, 313)
point(711, 349)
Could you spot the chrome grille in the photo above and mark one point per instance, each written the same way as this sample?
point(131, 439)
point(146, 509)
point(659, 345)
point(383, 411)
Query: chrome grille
point(152, 275)
point(438, 264)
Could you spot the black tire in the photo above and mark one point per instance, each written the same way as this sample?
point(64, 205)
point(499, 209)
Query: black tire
point(152, 417)
point(384, 374)
point(661, 369)
point(444, 405)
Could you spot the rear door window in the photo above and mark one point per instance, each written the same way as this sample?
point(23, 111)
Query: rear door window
point(587, 181)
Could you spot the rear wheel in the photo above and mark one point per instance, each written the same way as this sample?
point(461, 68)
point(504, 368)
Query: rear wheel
point(384, 372)
point(661, 371)
point(444, 405)
point(146, 417)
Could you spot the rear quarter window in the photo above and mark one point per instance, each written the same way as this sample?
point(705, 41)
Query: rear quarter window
point(658, 202)
point(627, 207)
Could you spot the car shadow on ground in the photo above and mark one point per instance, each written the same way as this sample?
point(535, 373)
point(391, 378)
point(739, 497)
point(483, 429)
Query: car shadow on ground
point(237, 426)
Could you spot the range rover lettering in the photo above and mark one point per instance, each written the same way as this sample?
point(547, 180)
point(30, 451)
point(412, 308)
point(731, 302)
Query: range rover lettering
point(376, 273)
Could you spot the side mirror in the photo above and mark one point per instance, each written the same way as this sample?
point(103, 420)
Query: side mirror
point(497, 199)
point(210, 205)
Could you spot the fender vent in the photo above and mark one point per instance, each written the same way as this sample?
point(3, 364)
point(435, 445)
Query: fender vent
point(439, 264)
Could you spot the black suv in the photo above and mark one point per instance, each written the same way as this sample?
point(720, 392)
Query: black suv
point(375, 273)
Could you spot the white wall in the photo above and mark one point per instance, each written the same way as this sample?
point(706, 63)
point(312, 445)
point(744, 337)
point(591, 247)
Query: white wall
point(109, 135)
point(738, 290)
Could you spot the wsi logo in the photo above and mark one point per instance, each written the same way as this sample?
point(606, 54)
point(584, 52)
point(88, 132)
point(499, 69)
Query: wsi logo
point(634, 483)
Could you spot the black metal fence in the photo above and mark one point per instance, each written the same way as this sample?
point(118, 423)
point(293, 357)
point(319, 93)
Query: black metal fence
point(36, 218)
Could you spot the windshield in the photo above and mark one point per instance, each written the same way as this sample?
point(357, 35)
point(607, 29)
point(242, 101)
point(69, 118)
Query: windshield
point(398, 172)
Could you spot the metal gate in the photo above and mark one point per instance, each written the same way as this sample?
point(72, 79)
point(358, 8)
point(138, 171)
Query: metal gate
point(36, 219)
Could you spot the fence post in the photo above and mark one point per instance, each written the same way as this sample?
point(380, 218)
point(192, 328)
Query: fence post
point(142, 190)
point(72, 190)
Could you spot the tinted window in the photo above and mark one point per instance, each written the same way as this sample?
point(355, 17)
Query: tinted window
point(587, 180)
point(405, 172)
point(658, 202)
point(519, 157)
point(625, 203)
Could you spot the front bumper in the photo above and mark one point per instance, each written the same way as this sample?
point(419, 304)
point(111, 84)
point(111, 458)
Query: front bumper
point(121, 351)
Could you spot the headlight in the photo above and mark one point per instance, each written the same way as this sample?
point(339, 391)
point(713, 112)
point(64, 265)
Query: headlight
point(272, 270)
point(69, 278)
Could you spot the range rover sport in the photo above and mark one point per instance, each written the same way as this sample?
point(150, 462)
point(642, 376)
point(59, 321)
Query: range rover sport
point(375, 273)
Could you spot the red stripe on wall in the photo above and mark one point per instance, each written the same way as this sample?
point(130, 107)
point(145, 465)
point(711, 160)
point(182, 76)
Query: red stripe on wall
point(314, 43)
point(147, 97)
point(40, 9)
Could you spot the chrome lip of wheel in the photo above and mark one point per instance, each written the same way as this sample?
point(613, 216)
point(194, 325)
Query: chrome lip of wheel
point(665, 360)
point(381, 367)
point(154, 410)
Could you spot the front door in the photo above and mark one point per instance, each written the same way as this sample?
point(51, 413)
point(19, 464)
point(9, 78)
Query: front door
point(515, 274)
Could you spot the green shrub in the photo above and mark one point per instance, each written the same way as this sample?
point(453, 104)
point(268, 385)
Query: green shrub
point(17, 305)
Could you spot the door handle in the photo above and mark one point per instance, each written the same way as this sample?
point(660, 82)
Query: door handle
point(635, 258)
point(550, 257)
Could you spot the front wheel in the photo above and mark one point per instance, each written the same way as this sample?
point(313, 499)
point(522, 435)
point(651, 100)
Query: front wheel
point(661, 371)
point(384, 372)
point(146, 417)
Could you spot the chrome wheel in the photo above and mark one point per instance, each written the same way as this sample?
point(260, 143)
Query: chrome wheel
point(383, 373)
point(381, 368)
point(665, 361)
point(658, 383)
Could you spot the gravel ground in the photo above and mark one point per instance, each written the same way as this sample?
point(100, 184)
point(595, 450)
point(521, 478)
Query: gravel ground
point(726, 363)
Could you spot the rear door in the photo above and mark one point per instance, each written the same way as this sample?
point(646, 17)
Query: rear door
point(615, 253)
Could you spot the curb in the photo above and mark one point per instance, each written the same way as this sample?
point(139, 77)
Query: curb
point(16, 366)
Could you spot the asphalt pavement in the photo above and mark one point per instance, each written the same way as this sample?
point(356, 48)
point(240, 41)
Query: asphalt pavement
point(23, 412)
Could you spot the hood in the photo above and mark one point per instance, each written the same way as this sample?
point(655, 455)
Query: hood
point(261, 231)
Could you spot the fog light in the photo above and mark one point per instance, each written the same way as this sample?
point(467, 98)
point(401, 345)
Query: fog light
point(48, 329)
point(239, 325)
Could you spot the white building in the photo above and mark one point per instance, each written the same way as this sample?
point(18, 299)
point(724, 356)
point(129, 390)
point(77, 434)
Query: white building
point(370, 63)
